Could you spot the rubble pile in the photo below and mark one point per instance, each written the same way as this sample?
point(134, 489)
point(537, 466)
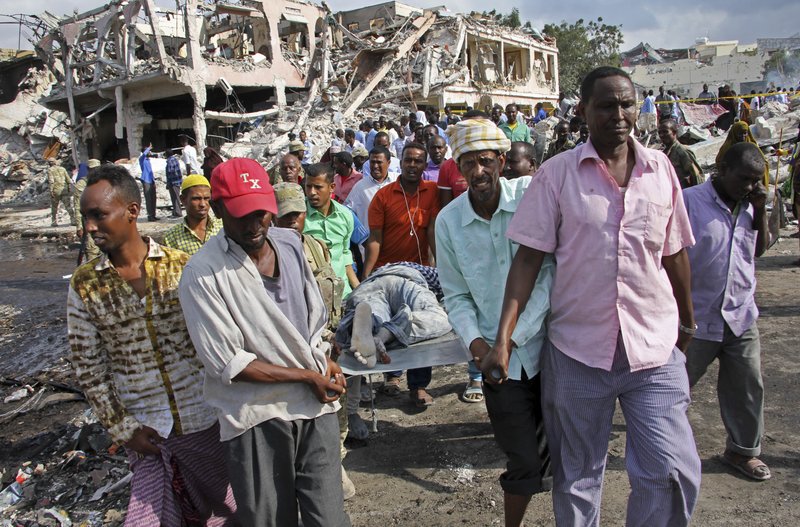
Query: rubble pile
point(69, 474)
point(28, 133)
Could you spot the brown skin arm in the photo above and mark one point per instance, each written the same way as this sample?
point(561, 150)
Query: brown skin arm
point(521, 279)
point(758, 199)
point(373, 248)
point(445, 196)
point(263, 372)
point(680, 277)
point(145, 441)
point(430, 232)
point(351, 276)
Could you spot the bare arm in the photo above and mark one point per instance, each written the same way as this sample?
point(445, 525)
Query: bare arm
point(430, 231)
point(320, 384)
point(373, 248)
point(758, 198)
point(351, 276)
point(445, 196)
point(521, 279)
point(680, 276)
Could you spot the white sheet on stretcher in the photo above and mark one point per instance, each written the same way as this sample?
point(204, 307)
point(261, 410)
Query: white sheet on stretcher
point(447, 349)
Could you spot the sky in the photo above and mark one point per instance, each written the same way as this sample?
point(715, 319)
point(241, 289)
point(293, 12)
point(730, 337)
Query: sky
point(674, 24)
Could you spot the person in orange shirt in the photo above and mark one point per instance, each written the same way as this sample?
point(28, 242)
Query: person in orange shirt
point(402, 216)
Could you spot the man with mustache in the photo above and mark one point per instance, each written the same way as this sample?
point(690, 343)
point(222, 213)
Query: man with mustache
point(256, 318)
point(135, 363)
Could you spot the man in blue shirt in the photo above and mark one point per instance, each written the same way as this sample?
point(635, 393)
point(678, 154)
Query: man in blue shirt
point(473, 257)
point(148, 183)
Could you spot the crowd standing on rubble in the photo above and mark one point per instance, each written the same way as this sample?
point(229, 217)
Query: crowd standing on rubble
point(212, 357)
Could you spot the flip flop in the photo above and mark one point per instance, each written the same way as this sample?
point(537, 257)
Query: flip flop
point(421, 398)
point(472, 394)
point(752, 467)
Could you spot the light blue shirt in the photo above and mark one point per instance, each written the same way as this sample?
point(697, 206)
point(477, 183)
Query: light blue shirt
point(473, 257)
point(648, 106)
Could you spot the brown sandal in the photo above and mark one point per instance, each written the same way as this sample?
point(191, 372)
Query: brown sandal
point(752, 467)
point(391, 386)
point(421, 398)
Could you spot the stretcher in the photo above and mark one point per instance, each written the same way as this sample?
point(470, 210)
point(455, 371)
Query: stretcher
point(441, 351)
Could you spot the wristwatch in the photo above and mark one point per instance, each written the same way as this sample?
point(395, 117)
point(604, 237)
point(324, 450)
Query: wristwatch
point(687, 330)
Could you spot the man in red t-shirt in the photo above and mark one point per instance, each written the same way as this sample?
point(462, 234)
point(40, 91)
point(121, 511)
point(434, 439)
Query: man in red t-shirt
point(451, 183)
point(402, 216)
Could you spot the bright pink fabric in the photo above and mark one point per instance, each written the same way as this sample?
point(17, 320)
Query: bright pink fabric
point(608, 246)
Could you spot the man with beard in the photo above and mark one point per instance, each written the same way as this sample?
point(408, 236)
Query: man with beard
point(136, 365)
point(401, 222)
point(256, 318)
point(473, 259)
point(612, 214)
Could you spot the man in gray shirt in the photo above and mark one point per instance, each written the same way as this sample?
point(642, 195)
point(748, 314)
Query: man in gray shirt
point(256, 318)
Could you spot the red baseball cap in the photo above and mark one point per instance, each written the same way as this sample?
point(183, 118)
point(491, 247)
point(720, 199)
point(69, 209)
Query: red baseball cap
point(243, 186)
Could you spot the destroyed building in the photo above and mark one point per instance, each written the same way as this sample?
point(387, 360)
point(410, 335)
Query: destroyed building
point(132, 73)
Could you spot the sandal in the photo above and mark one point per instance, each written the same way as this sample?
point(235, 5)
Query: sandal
point(391, 386)
point(421, 398)
point(752, 467)
point(473, 393)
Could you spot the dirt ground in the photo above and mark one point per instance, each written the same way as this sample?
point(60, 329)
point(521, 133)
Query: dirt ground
point(437, 467)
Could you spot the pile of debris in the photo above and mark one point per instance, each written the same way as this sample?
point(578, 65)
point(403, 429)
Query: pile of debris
point(29, 135)
point(69, 474)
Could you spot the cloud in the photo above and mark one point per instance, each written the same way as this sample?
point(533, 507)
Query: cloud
point(674, 24)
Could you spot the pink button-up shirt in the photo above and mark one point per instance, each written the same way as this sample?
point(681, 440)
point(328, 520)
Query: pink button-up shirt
point(608, 243)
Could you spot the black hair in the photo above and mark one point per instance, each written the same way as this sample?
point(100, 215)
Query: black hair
point(587, 86)
point(120, 180)
point(381, 134)
point(320, 169)
point(527, 149)
point(349, 131)
point(576, 120)
point(672, 123)
point(415, 146)
point(744, 153)
point(434, 138)
point(475, 114)
point(381, 150)
point(344, 158)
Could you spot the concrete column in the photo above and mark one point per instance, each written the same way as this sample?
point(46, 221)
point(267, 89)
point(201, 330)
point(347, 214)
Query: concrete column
point(198, 117)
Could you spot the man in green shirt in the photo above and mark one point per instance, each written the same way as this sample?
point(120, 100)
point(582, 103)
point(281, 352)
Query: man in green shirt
point(514, 129)
point(199, 224)
point(683, 160)
point(330, 222)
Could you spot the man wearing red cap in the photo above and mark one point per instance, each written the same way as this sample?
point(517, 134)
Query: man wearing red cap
point(256, 318)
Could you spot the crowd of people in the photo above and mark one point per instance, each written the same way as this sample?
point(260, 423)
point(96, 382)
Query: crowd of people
point(213, 357)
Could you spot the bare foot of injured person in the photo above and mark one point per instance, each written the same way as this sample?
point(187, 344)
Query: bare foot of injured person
point(366, 347)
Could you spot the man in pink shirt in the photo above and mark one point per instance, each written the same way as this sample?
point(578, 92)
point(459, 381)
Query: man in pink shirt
point(612, 214)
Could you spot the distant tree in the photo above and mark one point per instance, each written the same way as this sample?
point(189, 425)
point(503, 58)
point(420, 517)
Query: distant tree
point(512, 19)
point(582, 47)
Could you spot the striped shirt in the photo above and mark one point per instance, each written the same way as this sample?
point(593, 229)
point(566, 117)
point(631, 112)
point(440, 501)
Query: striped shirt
point(133, 357)
point(183, 238)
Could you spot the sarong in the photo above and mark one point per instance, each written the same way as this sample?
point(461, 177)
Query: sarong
point(187, 486)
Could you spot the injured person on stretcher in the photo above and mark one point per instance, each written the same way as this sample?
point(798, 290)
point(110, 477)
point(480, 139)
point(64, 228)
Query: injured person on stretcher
point(395, 307)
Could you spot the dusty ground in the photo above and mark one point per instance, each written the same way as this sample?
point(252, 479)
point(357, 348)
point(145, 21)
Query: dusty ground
point(437, 467)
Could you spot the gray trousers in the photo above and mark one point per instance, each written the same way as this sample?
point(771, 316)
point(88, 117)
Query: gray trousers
point(578, 404)
point(739, 385)
point(279, 466)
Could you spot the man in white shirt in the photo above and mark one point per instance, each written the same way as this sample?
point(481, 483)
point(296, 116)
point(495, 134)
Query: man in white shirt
point(189, 157)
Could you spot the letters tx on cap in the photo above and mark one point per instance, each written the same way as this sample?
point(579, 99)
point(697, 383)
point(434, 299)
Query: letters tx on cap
point(243, 186)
